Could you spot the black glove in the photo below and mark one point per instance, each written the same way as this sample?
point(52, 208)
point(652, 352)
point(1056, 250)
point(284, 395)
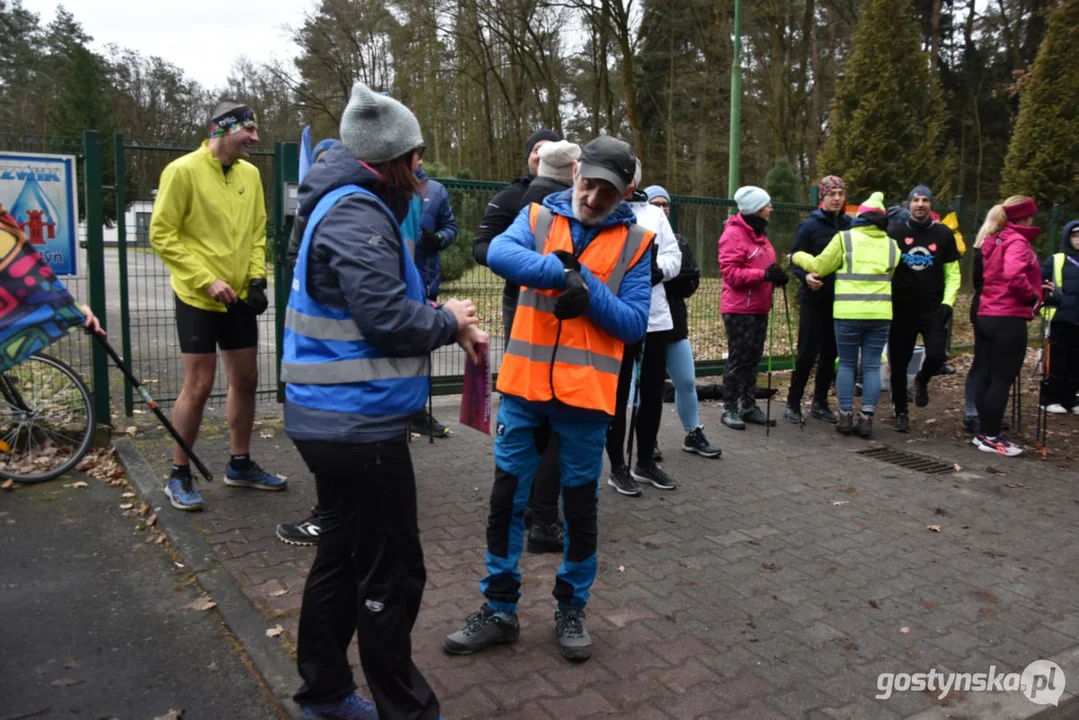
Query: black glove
point(1053, 299)
point(432, 241)
point(657, 274)
point(775, 275)
point(257, 301)
point(569, 260)
point(946, 313)
point(573, 301)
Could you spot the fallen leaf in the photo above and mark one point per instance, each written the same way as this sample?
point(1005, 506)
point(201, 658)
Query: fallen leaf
point(274, 631)
point(849, 490)
point(171, 714)
point(159, 539)
point(127, 495)
point(993, 471)
point(178, 564)
point(621, 568)
point(874, 604)
point(941, 511)
point(65, 682)
point(266, 434)
point(151, 520)
point(131, 431)
point(203, 603)
point(278, 593)
point(933, 528)
point(8, 484)
point(212, 667)
point(837, 503)
point(958, 467)
point(904, 629)
point(77, 484)
point(930, 421)
point(127, 506)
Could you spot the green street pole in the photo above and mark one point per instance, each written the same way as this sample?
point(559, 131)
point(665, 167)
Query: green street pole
point(736, 101)
point(95, 261)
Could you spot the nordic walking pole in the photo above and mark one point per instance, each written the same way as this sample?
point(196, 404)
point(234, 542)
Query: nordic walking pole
point(790, 346)
point(636, 401)
point(152, 404)
point(771, 332)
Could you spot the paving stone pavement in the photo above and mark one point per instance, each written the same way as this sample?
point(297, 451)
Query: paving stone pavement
point(776, 582)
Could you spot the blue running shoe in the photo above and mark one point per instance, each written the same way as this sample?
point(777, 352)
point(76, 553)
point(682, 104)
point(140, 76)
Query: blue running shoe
point(182, 493)
point(253, 477)
point(353, 707)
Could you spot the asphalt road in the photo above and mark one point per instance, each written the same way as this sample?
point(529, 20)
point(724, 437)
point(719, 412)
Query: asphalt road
point(93, 621)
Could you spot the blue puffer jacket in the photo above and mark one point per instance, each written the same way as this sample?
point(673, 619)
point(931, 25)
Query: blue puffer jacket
point(812, 236)
point(1068, 294)
point(437, 217)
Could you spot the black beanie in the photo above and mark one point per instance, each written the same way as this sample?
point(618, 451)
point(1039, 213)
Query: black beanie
point(541, 134)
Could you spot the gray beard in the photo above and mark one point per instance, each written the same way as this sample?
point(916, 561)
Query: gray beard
point(598, 220)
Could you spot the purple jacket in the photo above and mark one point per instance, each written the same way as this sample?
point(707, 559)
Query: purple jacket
point(1012, 279)
point(743, 256)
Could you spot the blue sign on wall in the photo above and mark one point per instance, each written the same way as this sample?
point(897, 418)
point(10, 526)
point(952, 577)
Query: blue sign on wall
point(40, 193)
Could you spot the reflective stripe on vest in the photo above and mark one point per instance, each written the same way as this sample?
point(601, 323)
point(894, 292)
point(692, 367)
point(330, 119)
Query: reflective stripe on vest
point(322, 328)
point(862, 295)
point(848, 245)
point(1048, 311)
point(571, 356)
point(351, 371)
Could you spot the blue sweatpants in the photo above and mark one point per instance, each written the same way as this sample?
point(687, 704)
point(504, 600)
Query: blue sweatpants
point(520, 429)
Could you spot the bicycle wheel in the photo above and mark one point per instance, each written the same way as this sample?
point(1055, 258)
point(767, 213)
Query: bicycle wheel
point(46, 420)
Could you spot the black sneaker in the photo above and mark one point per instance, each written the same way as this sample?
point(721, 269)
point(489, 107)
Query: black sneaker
point(946, 370)
point(845, 426)
point(696, 442)
point(544, 538)
point(822, 412)
point(424, 424)
point(657, 454)
point(305, 532)
point(733, 420)
point(753, 415)
point(573, 637)
point(482, 629)
point(655, 475)
point(622, 481)
point(972, 424)
point(793, 415)
point(921, 392)
point(864, 428)
point(902, 422)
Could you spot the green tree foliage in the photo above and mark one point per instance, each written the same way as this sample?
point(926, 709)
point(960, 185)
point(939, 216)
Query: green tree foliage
point(886, 129)
point(782, 184)
point(1043, 158)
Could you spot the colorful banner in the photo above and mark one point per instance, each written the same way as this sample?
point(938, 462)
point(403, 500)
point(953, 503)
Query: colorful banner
point(36, 309)
point(40, 193)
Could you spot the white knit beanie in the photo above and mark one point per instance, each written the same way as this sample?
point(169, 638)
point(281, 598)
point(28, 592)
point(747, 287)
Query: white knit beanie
point(751, 199)
point(376, 128)
point(556, 160)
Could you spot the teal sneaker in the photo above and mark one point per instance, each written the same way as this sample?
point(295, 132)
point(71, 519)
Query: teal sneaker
point(253, 477)
point(353, 707)
point(182, 493)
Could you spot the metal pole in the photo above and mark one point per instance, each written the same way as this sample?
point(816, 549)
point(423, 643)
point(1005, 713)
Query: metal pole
point(95, 260)
point(121, 243)
point(286, 168)
point(736, 102)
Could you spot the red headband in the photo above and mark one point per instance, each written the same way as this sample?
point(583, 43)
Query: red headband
point(1024, 209)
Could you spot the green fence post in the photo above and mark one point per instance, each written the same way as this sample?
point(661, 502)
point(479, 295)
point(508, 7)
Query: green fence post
point(814, 195)
point(121, 249)
point(674, 214)
point(286, 169)
point(95, 259)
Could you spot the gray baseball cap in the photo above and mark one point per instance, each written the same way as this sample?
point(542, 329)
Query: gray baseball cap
point(610, 159)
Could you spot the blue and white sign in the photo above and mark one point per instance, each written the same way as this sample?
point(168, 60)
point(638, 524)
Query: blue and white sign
point(40, 193)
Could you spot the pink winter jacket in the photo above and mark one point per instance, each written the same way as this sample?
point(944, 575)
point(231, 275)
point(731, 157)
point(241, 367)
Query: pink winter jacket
point(1012, 276)
point(743, 256)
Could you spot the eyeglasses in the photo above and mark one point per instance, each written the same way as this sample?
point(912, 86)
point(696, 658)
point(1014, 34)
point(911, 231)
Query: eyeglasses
point(660, 203)
point(420, 150)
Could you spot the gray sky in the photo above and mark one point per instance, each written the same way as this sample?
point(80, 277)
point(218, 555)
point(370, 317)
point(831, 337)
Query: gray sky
point(202, 37)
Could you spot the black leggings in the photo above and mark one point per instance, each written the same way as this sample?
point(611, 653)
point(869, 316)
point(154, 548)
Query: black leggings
point(650, 407)
point(1000, 344)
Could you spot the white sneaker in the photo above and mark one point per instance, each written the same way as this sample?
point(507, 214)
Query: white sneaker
point(1055, 409)
point(1076, 409)
point(997, 445)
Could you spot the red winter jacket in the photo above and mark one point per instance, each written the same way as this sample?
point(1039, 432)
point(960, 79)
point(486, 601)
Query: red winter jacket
point(1012, 279)
point(743, 256)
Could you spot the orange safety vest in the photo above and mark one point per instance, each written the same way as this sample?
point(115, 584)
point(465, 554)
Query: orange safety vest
point(572, 361)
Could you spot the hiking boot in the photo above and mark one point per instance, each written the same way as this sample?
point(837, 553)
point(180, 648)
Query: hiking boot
point(864, 428)
point(623, 482)
point(482, 629)
point(252, 476)
point(696, 442)
point(753, 415)
point(902, 422)
point(424, 424)
point(793, 415)
point(655, 475)
point(733, 420)
point(921, 392)
point(821, 411)
point(353, 707)
point(845, 426)
point(657, 454)
point(546, 538)
point(971, 424)
point(305, 532)
point(998, 445)
point(573, 638)
point(946, 370)
point(181, 492)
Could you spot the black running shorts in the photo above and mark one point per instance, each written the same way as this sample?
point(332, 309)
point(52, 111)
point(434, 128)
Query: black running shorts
point(203, 331)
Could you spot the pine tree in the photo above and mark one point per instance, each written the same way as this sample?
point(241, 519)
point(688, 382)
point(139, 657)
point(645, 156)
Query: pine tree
point(1043, 157)
point(886, 129)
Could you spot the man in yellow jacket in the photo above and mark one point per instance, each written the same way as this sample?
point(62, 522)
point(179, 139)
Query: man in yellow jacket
point(209, 228)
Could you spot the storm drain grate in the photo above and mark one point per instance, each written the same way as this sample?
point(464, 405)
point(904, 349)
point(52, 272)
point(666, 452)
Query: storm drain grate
point(908, 460)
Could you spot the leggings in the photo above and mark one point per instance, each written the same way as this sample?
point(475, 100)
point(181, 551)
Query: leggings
point(681, 369)
point(1000, 344)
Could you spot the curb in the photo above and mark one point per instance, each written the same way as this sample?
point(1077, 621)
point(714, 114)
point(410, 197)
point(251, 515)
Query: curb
point(268, 656)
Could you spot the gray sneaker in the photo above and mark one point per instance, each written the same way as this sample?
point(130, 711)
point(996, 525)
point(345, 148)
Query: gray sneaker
point(483, 628)
point(573, 638)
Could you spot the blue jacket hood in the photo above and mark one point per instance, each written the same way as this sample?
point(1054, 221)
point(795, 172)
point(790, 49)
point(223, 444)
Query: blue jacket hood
point(336, 168)
point(562, 204)
point(421, 175)
point(1065, 243)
